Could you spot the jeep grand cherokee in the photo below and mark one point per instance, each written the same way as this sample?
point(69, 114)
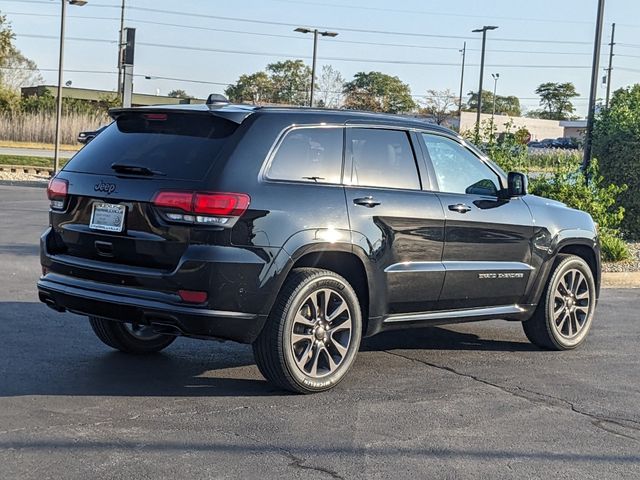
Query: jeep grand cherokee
point(300, 231)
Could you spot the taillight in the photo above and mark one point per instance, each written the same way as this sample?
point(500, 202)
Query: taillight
point(207, 208)
point(57, 192)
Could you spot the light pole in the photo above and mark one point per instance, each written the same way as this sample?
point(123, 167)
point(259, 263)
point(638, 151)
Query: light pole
point(586, 159)
point(464, 54)
point(495, 76)
point(56, 153)
point(121, 43)
point(484, 41)
point(315, 50)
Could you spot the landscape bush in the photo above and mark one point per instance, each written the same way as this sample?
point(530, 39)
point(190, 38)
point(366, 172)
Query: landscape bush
point(615, 142)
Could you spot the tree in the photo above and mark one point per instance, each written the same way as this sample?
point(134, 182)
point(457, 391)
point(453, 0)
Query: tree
point(504, 105)
point(329, 87)
point(291, 80)
point(256, 88)
point(440, 105)
point(616, 136)
point(16, 70)
point(378, 92)
point(555, 98)
point(178, 93)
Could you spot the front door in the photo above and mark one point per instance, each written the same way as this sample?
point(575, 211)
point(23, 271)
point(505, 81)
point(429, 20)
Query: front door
point(487, 250)
point(400, 226)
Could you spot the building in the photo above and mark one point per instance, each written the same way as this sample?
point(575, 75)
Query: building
point(137, 100)
point(539, 128)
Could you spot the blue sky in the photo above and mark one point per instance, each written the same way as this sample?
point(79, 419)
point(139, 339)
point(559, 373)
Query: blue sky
point(532, 37)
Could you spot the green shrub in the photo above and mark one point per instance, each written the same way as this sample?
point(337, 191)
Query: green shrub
point(615, 142)
point(613, 248)
point(567, 185)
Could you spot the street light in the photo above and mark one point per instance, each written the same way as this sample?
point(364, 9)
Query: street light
point(495, 76)
point(463, 51)
point(315, 50)
point(484, 41)
point(56, 154)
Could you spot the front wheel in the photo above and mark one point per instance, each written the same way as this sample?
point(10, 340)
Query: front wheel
point(565, 313)
point(313, 333)
point(129, 338)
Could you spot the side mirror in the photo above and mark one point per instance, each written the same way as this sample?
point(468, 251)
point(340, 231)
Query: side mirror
point(516, 184)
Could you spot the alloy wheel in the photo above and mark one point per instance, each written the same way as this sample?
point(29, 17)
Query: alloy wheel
point(321, 333)
point(572, 304)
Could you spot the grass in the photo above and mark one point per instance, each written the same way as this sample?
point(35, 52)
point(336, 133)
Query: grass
point(29, 161)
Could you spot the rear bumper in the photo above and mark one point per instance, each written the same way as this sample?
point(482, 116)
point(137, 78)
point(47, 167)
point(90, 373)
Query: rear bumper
point(134, 305)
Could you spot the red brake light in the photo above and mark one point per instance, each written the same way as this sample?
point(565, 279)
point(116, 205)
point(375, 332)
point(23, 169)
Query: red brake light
point(158, 117)
point(57, 192)
point(191, 296)
point(204, 208)
point(221, 204)
point(57, 189)
point(181, 200)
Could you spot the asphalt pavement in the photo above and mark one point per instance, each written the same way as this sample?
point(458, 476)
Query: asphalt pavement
point(34, 152)
point(466, 401)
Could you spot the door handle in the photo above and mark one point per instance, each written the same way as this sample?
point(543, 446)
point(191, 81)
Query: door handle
point(460, 208)
point(368, 202)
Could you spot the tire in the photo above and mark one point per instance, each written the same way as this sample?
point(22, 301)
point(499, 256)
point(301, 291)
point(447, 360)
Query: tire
point(134, 339)
point(301, 347)
point(564, 315)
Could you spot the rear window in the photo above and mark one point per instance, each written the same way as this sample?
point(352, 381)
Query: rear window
point(177, 145)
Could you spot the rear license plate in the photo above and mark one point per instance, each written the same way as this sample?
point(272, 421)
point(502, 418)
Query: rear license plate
point(108, 217)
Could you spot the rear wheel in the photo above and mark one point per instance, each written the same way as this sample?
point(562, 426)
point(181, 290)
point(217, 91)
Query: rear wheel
point(129, 338)
point(313, 333)
point(565, 313)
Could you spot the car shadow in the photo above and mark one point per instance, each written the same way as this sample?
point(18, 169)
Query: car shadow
point(47, 353)
point(441, 338)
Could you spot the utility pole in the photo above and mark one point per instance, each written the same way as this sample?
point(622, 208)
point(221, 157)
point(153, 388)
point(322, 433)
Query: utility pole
point(495, 76)
point(588, 139)
point(121, 44)
point(613, 36)
point(464, 53)
point(484, 42)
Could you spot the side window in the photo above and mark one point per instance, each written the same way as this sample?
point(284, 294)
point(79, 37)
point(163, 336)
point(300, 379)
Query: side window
point(309, 154)
point(382, 158)
point(458, 170)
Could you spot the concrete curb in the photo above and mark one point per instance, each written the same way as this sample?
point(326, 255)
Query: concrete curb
point(621, 280)
point(26, 169)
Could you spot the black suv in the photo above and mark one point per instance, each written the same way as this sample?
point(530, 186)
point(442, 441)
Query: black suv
point(301, 231)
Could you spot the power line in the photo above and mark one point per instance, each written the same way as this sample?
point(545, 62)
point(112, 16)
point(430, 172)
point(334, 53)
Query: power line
point(329, 58)
point(344, 29)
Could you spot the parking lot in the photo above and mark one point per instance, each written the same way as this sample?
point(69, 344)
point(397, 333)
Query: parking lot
point(465, 401)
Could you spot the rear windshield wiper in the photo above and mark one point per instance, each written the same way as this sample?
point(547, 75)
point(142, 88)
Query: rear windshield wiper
point(134, 169)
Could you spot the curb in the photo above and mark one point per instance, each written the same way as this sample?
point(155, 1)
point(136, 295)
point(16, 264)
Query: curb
point(620, 279)
point(26, 169)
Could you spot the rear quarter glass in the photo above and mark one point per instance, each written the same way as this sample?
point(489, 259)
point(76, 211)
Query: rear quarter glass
point(177, 145)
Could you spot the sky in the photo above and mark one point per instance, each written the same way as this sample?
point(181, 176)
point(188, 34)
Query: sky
point(202, 45)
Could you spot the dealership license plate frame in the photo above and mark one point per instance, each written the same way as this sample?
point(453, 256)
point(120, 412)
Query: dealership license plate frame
point(111, 217)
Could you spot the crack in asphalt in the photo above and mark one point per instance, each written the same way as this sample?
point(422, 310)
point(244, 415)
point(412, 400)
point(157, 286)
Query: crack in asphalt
point(597, 420)
point(298, 462)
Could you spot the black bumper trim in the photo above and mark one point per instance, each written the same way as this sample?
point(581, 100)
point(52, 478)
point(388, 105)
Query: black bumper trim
point(189, 321)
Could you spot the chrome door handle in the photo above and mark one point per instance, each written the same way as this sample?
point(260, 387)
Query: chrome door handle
point(460, 208)
point(368, 202)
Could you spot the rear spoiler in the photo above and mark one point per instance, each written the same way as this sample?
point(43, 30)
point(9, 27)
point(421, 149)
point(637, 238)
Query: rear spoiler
point(233, 113)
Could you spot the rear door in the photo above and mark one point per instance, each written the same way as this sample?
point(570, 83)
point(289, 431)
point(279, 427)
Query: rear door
point(487, 246)
point(112, 181)
point(400, 225)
